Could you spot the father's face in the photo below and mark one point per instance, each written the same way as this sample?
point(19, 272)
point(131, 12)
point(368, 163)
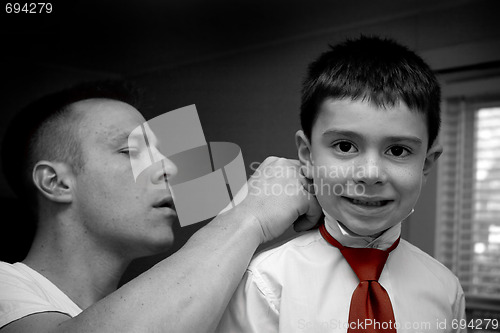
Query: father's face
point(133, 216)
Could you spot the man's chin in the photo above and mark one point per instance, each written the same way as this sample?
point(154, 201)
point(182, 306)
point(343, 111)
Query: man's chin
point(158, 248)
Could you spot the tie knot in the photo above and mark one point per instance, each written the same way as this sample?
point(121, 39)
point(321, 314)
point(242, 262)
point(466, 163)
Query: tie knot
point(367, 263)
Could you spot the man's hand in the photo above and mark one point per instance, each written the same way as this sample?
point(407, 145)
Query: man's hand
point(278, 196)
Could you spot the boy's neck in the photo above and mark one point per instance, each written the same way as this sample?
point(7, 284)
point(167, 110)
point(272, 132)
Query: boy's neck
point(348, 231)
point(348, 238)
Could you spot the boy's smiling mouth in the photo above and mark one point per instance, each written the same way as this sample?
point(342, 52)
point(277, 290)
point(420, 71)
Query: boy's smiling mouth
point(368, 202)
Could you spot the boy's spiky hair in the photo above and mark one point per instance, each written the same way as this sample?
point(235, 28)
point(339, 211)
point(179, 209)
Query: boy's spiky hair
point(380, 71)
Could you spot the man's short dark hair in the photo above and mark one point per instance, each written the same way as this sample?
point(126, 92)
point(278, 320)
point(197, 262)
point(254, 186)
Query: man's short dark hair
point(46, 129)
point(376, 70)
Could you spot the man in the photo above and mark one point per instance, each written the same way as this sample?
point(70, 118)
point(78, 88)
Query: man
point(94, 218)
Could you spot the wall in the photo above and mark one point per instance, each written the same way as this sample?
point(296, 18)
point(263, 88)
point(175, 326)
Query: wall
point(252, 97)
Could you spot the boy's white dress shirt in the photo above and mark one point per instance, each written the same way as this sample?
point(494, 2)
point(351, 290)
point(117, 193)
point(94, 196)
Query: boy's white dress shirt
point(305, 285)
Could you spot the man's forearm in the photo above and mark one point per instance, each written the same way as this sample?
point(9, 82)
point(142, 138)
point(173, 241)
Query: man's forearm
point(186, 292)
point(189, 291)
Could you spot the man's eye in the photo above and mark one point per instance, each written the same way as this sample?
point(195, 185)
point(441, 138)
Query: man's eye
point(129, 151)
point(399, 151)
point(345, 147)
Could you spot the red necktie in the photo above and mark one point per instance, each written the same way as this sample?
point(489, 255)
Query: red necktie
point(371, 309)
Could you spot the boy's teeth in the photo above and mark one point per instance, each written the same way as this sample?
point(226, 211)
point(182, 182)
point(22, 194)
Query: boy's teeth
point(366, 203)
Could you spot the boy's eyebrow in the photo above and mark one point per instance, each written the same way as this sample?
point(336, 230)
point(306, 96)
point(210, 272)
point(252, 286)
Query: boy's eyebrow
point(347, 133)
point(415, 140)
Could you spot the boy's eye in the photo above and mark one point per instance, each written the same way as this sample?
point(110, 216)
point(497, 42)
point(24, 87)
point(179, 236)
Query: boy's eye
point(345, 147)
point(399, 151)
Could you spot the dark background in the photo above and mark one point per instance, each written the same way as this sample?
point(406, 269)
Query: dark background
point(240, 62)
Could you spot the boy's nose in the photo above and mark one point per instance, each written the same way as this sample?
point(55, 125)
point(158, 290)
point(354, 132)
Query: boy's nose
point(370, 171)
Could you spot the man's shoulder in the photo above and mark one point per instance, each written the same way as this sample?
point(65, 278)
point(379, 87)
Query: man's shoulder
point(6, 267)
point(23, 291)
point(18, 293)
point(12, 272)
point(15, 279)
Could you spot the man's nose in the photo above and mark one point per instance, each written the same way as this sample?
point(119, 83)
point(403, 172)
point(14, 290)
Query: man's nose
point(163, 169)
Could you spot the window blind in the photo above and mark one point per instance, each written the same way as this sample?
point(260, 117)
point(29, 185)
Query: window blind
point(468, 213)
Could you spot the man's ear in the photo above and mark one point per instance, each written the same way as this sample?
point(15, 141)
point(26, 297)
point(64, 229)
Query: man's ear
point(432, 156)
point(304, 152)
point(54, 180)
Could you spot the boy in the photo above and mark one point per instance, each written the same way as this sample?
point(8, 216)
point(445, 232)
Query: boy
point(370, 117)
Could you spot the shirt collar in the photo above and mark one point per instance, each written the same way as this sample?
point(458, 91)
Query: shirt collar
point(347, 238)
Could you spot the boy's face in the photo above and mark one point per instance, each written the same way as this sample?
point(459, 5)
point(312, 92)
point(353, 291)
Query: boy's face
point(368, 164)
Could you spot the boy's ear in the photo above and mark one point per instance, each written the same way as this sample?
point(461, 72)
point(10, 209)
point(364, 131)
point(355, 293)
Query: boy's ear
point(304, 152)
point(53, 180)
point(432, 156)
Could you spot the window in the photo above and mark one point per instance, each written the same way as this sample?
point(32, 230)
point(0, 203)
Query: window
point(468, 213)
point(484, 278)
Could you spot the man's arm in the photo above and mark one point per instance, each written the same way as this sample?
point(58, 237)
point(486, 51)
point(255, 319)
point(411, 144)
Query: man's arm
point(189, 291)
